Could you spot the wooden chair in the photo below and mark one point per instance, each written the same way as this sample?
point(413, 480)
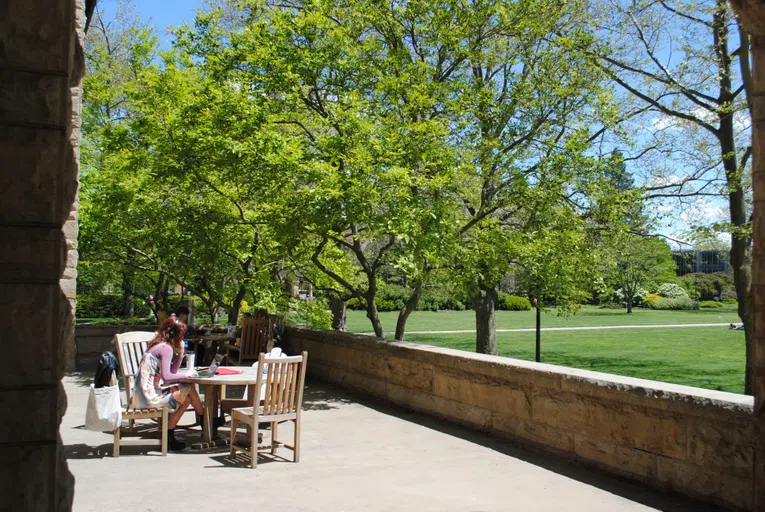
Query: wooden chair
point(130, 349)
point(256, 336)
point(282, 401)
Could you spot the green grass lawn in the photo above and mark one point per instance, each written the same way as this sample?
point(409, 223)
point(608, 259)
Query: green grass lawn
point(587, 316)
point(707, 357)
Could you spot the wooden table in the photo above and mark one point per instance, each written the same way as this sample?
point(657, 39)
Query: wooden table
point(248, 377)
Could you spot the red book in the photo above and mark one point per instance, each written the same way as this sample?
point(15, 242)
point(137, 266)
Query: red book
point(227, 371)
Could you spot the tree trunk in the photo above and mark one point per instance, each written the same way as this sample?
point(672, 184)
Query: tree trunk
point(372, 312)
point(374, 317)
point(337, 306)
point(629, 303)
point(403, 315)
point(128, 289)
point(233, 314)
point(485, 321)
point(741, 241)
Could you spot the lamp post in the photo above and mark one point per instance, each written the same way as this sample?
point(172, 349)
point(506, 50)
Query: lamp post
point(538, 357)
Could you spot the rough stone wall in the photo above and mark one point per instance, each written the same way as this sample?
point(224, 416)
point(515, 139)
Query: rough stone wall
point(92, 341)
point(41, 64)
point(693, 441)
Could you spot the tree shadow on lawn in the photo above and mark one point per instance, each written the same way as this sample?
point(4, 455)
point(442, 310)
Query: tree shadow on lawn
point(715, 375)
point(667, 501)
point(705, 376)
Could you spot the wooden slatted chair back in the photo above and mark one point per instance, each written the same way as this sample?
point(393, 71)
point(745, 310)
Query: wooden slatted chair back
point(283, 381)
point(256, 333)
point(130, 349)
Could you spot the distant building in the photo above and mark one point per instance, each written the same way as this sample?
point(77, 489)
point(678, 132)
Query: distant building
point(705, 261)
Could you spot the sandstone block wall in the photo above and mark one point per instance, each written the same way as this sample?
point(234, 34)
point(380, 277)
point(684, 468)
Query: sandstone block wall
point(690, 440)
point(41, 64)
point(92, 341)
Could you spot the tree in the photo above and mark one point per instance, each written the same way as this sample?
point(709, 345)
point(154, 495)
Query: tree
point(639, 261)
point(198, 182)
point(379, 165)
point(116, 50)
point(521, 109)
point(677, 60)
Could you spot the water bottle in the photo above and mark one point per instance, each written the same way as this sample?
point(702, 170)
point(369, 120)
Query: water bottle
point(189, 362)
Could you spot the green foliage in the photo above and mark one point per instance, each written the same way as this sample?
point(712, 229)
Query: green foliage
point(729, 301)
point(679, 303)
point(442, 297)
point(104, 306)
point(707, 286)
point(672, 291)
point(513, 303)
point(392, 297)
point(710, 304)
point(110, 321)
point(313, 313)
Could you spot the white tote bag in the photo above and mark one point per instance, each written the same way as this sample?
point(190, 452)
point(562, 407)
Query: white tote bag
point(104, 409)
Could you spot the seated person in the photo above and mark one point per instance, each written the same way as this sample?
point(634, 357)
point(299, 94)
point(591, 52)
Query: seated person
point(162, 361)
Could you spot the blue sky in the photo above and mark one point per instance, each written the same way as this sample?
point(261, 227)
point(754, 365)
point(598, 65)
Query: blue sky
point(161, 13)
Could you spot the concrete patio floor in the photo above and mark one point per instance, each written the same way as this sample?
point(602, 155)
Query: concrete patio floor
point(357, 454)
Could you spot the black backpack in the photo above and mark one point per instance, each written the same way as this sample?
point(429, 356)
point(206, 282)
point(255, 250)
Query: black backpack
point(106, 366)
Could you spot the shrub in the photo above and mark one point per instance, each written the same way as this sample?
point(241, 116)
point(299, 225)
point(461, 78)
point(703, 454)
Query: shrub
point(650, 299)
point(637, 298)
point(611, 305)
point(683, 303)
point(354, 304)
point(729, 301)
point(707, 286)
point(508, 302)
point(710, 304)
point(440, 297)
point(392, 297)
point(672, 291)
point(386, 304)
point(728, 295)
point(108, 306)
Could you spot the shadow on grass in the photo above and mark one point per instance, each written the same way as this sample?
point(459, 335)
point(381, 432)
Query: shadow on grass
point(730, 378)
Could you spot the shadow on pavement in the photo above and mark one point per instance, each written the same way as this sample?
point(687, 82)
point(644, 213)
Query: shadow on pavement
point(668, 501)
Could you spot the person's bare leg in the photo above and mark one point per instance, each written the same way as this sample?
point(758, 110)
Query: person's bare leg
point(175, 416)
point(196, 401)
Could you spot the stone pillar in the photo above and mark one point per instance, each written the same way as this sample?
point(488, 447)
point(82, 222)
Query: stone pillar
point(752, 16)
point(41, 62)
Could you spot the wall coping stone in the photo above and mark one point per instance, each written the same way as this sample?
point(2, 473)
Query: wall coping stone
point(642, 388)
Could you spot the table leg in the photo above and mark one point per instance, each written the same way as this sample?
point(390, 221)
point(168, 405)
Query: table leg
point(211, 393)
point(253, 400)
